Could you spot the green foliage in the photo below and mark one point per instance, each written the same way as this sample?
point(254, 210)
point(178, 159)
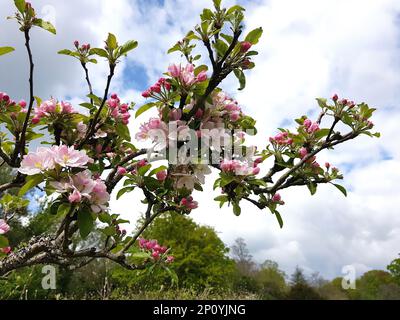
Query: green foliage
point(200, 257)
point(5, 50)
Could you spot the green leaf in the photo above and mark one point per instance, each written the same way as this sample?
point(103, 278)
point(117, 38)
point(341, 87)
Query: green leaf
point(236, 209)
point(32, 181)
point(321, 133)
point(20, 4)
point(322, 102)
point(140, 256)
point(128, 46)
point(254, 36)
point(112, 41)
point(174, 48)
point(341, 189)
point(312, 186)
point(123, 191)
point(98, 51)
point(123, 131)
point(200, 68)
point(85, 222)
point(5, 50)
point(241, 77)
point(63, 209)
point(144, 108)
point(221, 47)
point(45, 25)
point(157, 170)
point(233, 9)
point(279, 218)
point(223, 198)
point(217, 4)
point(142, 170)
point(65, 52)
point(3, 242)
point(109, 231)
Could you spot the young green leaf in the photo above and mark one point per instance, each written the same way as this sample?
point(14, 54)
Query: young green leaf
point(279, 218)
point(85, 223)
point(5, 50)
point(144, 108)
point(112, 41)
point(20, 4)
point(128, 46)
point(341, 188)
point(241, 77)
point(254, 36)
point(3, 242)
point(236, 209)
point(45, 25)
point(32, 181)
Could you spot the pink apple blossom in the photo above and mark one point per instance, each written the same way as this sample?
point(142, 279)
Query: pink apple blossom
point(37, 162)
point(69, 157)
point(75, 197)
point(4, 227)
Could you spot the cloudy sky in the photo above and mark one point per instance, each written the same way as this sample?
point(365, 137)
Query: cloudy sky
point(310, 49)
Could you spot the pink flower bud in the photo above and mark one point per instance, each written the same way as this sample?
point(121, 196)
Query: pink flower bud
point(245, 46)
point(76, 44)
point(163, 249)
point(335, 97)
point(167, 86)
point(235, 116)
point(170, 259)
point(276, 197)
point(327, 165)
point(35, 120)
point(199, 114)
point(75, 197)
point(6, 97)
point(156, 88)
point(202, 76)
point(121, 171)
point(174, 70)
point(155, 255)
point(146, 94)
point(161, 175)
point(114, 96)
point(307, 123)
point(142, 163)
point(6, 250)
point(256, 170)
point(22, 103)
point(303, 153)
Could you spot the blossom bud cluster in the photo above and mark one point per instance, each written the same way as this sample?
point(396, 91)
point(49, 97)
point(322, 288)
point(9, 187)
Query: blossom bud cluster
point(52, 109)
point(118, 111)
point(157, 252)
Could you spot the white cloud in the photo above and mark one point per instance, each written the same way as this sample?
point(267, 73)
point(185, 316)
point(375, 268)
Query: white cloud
point(310, 48)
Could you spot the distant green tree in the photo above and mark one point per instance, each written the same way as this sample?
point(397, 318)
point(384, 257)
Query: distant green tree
point(372, 285)
point(271, 281)
point(394, 269)
point(201, 259)
point(300, 288)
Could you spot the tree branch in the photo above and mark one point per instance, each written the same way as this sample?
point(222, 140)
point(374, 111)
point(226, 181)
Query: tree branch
point(20, 143)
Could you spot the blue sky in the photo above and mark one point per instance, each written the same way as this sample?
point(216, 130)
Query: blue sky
point(309, 49)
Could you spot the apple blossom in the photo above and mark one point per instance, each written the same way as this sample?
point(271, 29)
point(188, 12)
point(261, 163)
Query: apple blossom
point(69, 157)
point(4, 227)
point(37, 162)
